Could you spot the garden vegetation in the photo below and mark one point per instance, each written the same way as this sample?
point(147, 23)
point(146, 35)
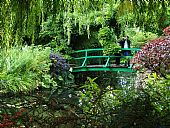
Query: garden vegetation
point(37, 41)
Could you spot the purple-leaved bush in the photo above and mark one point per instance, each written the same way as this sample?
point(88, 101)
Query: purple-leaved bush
point(155, 55)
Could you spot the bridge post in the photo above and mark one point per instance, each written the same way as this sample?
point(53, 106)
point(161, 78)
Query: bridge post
point(85, 59)
point(107, 62)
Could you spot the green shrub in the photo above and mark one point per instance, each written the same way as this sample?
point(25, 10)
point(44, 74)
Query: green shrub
point(107, 39)
point(130, 107)
point(138, 37)
point(24, 68)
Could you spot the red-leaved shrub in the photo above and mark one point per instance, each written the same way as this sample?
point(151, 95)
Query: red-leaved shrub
point(10, 121)
point(155, 55)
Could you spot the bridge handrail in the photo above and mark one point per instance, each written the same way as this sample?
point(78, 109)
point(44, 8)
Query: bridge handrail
point(84, 50)
point(85, 57)
point(101, 49)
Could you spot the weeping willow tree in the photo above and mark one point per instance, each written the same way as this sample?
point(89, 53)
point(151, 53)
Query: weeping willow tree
point(150, 15)
point(20, 18)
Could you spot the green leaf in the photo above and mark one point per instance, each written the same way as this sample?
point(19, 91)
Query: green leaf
point(155, 75)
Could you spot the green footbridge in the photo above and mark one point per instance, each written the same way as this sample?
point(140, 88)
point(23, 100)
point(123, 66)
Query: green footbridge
point(94, 60)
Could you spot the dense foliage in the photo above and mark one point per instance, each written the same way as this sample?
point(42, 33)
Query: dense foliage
point(24, 68)
point(37, 88)
point(31, 93)
point(24, 22)
point(155, 56)
point(107, 39)
point(139, 37)
point(129, 106)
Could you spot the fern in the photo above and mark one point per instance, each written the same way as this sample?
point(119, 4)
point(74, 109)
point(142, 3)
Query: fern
point(22, 68)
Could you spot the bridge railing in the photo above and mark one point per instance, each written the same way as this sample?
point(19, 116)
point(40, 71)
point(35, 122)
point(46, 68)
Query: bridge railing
point(95, 57)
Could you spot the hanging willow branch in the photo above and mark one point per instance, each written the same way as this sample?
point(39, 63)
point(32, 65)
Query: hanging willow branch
point(24, 17)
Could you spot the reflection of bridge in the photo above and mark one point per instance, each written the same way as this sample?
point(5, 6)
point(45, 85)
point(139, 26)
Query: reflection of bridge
point(94, 60)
